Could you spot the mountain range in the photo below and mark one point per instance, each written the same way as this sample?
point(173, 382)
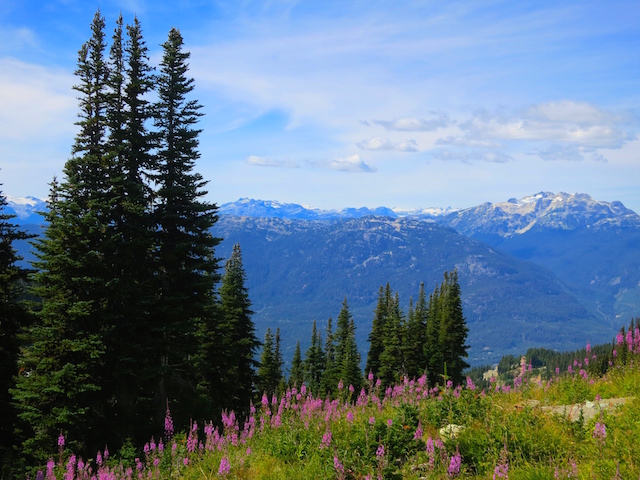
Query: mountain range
point(551, 269)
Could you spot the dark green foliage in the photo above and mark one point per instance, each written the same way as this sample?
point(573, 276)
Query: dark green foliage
point(65, 368)
point(392, 359)
point(131, 293)
point(126, 275)
point(296, 374)
point(347, 360)
point(13, 318)
point(314, 361)
point(415, 336)
point(270, 370)
point(446, 333)
point(331, 374)
point(376, 337)
point(229, 344)
point(453, 329)
point(186, 264)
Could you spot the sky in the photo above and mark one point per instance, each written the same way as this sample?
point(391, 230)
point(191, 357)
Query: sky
point(333, 104)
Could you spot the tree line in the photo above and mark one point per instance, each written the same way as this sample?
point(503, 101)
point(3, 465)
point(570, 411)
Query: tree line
point(430, 339)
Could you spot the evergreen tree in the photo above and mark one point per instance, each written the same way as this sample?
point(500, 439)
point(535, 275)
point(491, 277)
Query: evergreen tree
point(446, 333)
point(434, 357)
point(376, 337)
point(13, 318)
point(230, 347)
point(131, 292)
point(277, 353)
point(65, 368)
point(391, 360)
point(453, 329)
point(269, 373)
point(296, 374)
point(330, 375)
point(314, 362)
point(347, 357)
point(186, 264)
point(415, 336)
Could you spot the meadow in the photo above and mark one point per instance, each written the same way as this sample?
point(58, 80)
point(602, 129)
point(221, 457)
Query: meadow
point(496, 430)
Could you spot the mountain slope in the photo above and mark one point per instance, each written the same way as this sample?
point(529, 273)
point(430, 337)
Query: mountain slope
point(593, 247)
point(298, 271)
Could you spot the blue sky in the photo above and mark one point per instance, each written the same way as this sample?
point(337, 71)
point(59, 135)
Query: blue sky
point(358, 103)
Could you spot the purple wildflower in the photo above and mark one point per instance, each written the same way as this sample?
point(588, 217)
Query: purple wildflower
point(419, 432)
point(470, 384)
point(600, 433)
point(168, 424)
point(454, 465)
point(380, 451)
point(225, 466)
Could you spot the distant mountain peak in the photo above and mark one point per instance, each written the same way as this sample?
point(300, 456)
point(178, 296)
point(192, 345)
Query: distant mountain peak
point(25, 208)
point(557, 211)
point(247, 207)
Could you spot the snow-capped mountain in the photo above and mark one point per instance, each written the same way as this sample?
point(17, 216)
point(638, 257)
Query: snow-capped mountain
point(546, 210)
point(247, 207)
point(25, 209)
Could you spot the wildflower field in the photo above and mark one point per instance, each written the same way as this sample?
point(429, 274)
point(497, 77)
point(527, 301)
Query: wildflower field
point(408, 431)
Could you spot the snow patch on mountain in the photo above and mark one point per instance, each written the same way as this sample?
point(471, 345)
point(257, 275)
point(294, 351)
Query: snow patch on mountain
point(546, 210)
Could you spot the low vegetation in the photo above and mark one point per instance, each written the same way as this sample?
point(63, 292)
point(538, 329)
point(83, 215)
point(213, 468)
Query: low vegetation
point(409, 431)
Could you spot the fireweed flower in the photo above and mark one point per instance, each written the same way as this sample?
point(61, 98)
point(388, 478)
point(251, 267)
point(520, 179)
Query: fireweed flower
point(340, 386)
point(326, 440)
point(338, 466)
point(380, 451)
point(419, 432)
point(454, 465)
point(600, 433)
point(168, 425)
point(225, 466)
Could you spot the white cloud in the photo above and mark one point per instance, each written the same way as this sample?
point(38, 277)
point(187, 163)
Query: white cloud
point(561, 122)
point(572, 112)
point(352, 163)
point(473, 156)
point(412, 124)
point(383, 143)
point(271, 162)
point(468, 142)
point(35, 102)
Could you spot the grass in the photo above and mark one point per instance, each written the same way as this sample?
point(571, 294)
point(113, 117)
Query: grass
point(396, 434)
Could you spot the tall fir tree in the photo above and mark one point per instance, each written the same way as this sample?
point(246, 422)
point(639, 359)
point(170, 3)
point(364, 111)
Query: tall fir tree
point(453, 329)
point(296, 374)
point(314, 361)
point(131, 292)
point(186, 262)
point(331, 373)
point(13, 319)
point(269, 372)
point(434, 357)
point(230, 347)
point(415, 336)
point(376, 337)
point(392, 360)
point(347, 357)
point(65, 368)
point(446, 333)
